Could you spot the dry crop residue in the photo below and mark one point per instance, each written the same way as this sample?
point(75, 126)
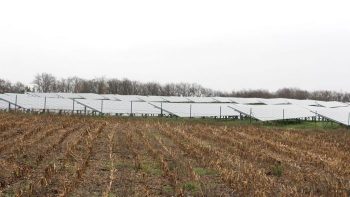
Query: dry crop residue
point(51, 155)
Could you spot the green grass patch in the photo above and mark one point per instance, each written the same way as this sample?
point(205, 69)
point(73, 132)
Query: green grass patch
point(124, 165)
point(304, 125)
point(286, 124)
point(276, 170)
point(151, 168)
point(110, 194)
point(191, 186)
point(167, 189)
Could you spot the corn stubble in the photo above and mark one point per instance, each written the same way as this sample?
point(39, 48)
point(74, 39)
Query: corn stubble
point(47, 155)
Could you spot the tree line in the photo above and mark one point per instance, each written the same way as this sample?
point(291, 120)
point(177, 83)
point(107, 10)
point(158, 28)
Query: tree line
point(45, 82)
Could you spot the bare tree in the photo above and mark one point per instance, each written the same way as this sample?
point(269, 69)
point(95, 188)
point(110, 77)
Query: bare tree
point(19, 88)
point(100, 85)
point(5, 86)
point(45, 82)
point(48, 83)
point(114, 86)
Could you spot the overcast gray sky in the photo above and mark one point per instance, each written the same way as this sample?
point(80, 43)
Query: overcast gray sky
point(223, 45)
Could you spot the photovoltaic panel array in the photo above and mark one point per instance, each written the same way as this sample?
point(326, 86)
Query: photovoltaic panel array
point(275, 101)
point(119, 107)
point(40, 103)
point(91, 96)
point(3, 104)
point(258, 108)
point(273, 112)
point(152, 99)
point(222, 99)
point(331, 104)
point(134, 98)
point(340, 114)
point(245, 100)
point(111, 97)
point(201, 99)
point(303, 103)
point(48, 95)
point(196, 109)
point(176, 99)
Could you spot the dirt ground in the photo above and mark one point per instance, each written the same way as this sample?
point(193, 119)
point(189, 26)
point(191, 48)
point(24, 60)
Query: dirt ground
point(51, 155)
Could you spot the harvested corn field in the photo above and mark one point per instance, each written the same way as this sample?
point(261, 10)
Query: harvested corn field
point(51, 155)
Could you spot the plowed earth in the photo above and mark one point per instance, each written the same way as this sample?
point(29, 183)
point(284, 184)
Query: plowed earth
point(47, 155)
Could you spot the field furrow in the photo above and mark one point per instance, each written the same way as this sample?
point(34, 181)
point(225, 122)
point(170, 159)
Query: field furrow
point(54, 155)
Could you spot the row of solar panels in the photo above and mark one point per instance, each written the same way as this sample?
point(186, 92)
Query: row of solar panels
point(272, 109)
point(177, 99)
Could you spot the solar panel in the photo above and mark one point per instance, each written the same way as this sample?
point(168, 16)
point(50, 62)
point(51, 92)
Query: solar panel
point(39, 103)
point(119, 107)
point(4, 105)
point(245, 100)
point(129, 98)
point(332, 104)
point(62, 104)
point(9, 98)
point(340, 114)
point(201, 99)
point(196, 109)
point(91, 96)
point(303, 103)
point(69, 95)
point(12, 94)
point(274, 109)
point(144, 108)
point(222, 99)
point(176, 99)
point(6, 97)
point(48, 95)
point(273, 112)
point(152, 98)
point(275, 101)
point(31, 94)
point(25, 101)
point(111, 97)
point(91, 104)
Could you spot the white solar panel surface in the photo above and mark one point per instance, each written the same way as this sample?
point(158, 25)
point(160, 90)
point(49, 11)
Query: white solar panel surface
point(62, 104)
point(25, 101)
point(273, 112)
point(245, 100)
point(144, 108)
point(128, 98)
point(48, 95)
point(152, 99)
point(196, 109)
point(6, 97)
point(91, 96)
point(91, 104)
point(222, 99)
point(332, 104)
point(32, 94)
point(275, 109)
point(303, 103)
point(69, 95)
point(12, 94)
point(4, 104)
point(111, 97)
point(122, 107)
point(340, 114)
point(38, 103)
point(201, 99)
point(274, 101)
point(176, 99)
